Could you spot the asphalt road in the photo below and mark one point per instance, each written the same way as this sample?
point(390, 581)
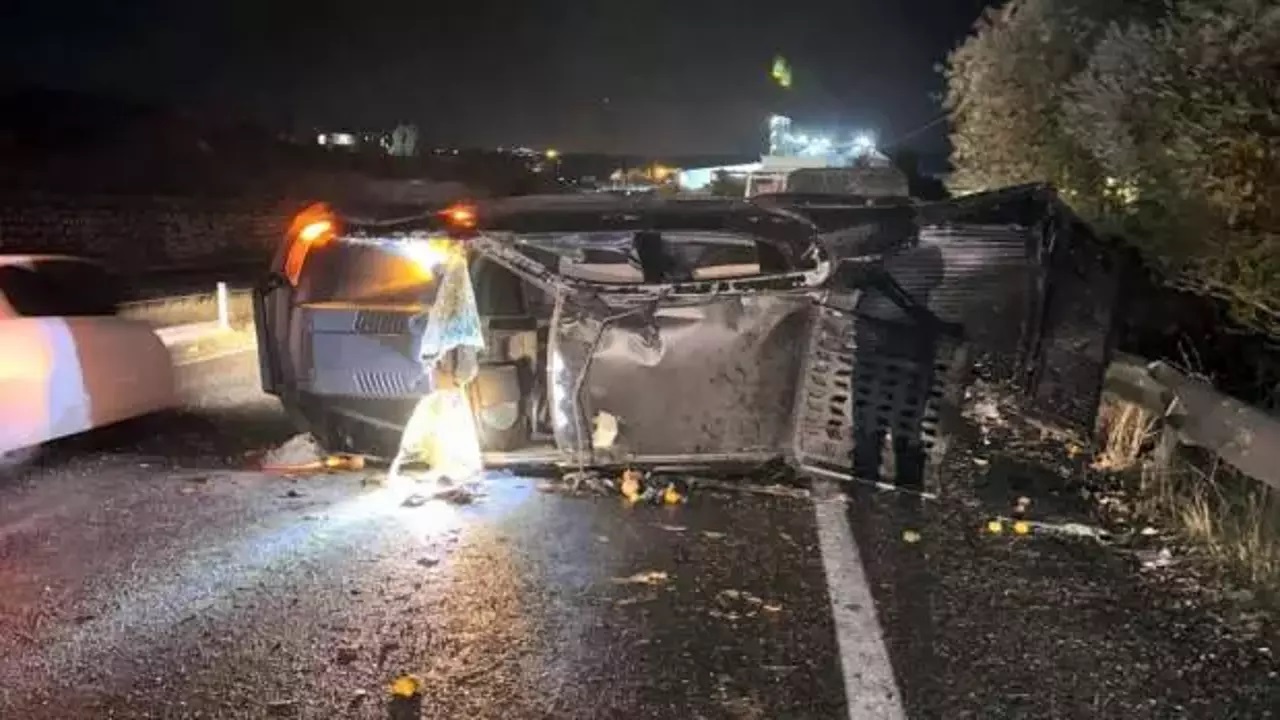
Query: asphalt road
point(149, 571)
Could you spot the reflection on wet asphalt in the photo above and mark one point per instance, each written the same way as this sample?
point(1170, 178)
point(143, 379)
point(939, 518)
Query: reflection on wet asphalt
point(144, 572)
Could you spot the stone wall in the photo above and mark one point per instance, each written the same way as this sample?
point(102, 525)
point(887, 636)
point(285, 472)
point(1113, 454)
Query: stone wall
point(142, 235)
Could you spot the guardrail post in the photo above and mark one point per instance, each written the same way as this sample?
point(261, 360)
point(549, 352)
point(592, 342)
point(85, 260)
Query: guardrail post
point(224, 309)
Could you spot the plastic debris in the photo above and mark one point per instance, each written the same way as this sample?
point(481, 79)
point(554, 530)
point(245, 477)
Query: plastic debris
point(647, 577)
point(301, 449)
point(632, 486)
point(441, 431)
point(406, 686)
point(302, 454)
point(605, 431)
point(672, 495)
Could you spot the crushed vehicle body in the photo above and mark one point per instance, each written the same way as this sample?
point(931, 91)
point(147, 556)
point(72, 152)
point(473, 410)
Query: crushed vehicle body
point(819, 330)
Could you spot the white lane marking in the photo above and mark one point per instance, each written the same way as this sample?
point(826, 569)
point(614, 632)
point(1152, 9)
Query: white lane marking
point(215, 356)
point(869, 687)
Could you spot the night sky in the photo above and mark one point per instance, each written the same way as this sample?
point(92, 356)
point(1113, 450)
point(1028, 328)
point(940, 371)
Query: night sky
point(653, 76)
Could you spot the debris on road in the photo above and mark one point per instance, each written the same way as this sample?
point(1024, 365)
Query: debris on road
point(910, 536)
point(406, 686)
point(460, 495)
point(1064, 529)
point(672, 495)
point(632, 485)
point(605, 431)
point(282, 708)
point(300, 449)
point(775, 489)
point(648, 577)
point(301, 454)
point(635, 600)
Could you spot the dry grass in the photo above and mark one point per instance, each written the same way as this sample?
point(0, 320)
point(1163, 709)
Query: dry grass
point(1234, 518)
point(184, 309)
point(1126, 429)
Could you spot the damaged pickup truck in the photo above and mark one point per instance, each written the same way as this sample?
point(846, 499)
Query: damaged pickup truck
point(824, 331)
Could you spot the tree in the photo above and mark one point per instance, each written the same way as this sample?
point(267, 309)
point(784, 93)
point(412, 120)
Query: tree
point(1183, 118)
point(1006, 88)
point(1157, 119)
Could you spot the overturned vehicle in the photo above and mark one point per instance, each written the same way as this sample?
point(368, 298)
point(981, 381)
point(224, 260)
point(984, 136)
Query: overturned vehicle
point(593, 331)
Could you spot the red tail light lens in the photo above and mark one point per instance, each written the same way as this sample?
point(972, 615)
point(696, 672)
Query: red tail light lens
point(312, 228)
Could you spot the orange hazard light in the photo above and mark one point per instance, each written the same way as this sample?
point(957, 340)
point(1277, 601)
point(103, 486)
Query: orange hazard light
point(460, 215)
point(313, 227)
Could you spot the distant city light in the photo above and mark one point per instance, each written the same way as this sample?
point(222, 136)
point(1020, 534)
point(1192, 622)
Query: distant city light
point(864, 141)
point(552, 154)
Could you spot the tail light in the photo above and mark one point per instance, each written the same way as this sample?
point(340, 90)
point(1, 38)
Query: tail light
point(312, 228)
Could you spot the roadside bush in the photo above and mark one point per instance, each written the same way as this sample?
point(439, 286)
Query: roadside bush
point(1158, 121)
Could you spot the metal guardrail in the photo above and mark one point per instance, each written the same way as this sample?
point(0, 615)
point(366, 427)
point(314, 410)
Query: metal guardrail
point(1196, 414)
point(221, 296)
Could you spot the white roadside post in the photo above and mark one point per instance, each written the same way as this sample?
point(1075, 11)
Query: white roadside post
point(224, 311)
